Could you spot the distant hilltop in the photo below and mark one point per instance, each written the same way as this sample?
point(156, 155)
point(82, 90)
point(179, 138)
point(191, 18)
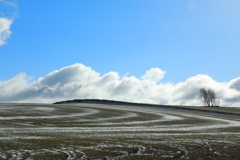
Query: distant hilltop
point(104, 101)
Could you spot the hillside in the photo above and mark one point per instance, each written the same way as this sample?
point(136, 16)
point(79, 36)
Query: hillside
point(220, 110)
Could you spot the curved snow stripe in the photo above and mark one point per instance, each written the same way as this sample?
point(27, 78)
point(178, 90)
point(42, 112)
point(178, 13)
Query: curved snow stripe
point(87, 112)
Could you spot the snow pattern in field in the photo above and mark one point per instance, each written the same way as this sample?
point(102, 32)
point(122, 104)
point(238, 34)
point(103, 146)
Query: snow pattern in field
point(23, 122)
point(95, 117)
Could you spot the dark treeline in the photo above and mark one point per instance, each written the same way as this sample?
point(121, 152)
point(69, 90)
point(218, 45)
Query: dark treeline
point(104, 101)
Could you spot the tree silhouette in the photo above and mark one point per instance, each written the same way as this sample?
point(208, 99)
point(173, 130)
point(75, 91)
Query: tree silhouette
point(209, 97)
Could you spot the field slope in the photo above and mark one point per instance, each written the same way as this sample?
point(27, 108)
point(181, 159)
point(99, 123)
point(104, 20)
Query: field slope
point(222, 110)
point(107, 131)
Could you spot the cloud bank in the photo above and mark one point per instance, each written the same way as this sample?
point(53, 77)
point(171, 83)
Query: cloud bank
point(79, 81)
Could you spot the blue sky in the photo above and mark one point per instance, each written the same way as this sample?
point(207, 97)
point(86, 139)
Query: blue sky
point(183, 38)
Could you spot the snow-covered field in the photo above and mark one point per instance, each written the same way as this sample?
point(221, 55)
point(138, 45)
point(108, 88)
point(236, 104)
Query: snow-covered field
point(97, 131)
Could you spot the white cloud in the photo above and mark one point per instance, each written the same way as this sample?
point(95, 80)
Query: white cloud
point(4, 29)
point(154, 74)
point(8, 13)
point(78, 81)
point(235, 84)
point(14, 85)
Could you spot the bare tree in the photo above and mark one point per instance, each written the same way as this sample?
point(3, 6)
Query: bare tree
point(209, 97)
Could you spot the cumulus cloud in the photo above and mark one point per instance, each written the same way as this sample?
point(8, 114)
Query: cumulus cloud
point(79, 81)
point(8, 11)
point(154, 74)
point(235, 84)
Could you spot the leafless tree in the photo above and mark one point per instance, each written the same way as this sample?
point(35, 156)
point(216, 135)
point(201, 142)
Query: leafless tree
point(209, 97)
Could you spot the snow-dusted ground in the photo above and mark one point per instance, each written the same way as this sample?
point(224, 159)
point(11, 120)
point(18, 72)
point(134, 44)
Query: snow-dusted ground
point(39, 121)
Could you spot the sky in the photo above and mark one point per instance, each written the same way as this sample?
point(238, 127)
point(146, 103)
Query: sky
point(152, 51)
